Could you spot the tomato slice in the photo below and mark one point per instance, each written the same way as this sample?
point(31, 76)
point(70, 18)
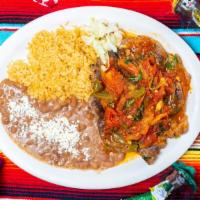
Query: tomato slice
point(114, 82)
point(148, 139)
point(112, 119)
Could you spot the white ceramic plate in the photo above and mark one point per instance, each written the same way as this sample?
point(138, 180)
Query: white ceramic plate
point(133, 171)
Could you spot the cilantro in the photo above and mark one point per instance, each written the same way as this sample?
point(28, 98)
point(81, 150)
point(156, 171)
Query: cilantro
point(139, 113)
point(171, 62)
point(176, 59)
point(128, 60)
point(169, 66)
point(135, 79)
point(129, 103)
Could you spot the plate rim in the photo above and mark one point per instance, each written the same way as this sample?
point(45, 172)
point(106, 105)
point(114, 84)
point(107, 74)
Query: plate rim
point(91, 186)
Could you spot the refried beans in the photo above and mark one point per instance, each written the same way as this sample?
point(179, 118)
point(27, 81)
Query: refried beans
point(64, 134)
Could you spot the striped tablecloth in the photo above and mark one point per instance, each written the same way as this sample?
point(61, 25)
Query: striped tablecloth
point(14, 182)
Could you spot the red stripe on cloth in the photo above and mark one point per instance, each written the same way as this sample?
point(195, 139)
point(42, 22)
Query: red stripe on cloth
point(22, 197)
point(151, 7)
point(9, 29)
point(197, 141)
point(159, 9)
point(189, 34)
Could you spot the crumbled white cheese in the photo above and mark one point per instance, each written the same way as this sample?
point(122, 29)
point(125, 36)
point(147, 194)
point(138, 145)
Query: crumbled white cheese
point(104, 37)
point(86, 153)
point(57, 130)
point(20, 108)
